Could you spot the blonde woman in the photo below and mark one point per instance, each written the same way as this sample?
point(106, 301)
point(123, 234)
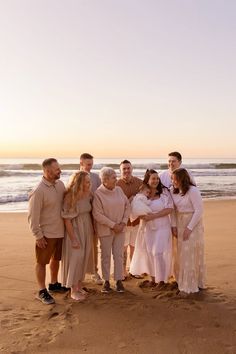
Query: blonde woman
point(77, 247)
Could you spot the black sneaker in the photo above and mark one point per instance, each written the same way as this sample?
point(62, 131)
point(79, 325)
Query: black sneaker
point(120, 287)
point(45, 297)
point(57, 288)
point(106, 287)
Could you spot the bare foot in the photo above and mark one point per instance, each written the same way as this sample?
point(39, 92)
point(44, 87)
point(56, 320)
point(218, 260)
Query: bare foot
point(77, 295)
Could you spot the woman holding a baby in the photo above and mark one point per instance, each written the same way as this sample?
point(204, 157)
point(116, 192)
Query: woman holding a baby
point(153, 249)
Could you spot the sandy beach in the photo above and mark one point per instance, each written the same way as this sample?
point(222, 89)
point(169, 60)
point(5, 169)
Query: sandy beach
point(138, 321)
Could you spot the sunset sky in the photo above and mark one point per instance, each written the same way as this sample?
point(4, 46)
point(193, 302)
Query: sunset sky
point(117, 78)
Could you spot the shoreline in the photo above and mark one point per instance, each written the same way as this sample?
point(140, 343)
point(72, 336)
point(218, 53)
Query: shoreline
point(205, 200)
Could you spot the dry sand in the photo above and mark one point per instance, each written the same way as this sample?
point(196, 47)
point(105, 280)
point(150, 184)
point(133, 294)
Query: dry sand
point(138, 321)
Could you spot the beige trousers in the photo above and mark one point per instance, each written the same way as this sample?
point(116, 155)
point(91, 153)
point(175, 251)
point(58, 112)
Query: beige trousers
point(112, 244)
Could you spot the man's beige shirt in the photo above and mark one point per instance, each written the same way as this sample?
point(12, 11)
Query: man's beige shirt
point(45, 205)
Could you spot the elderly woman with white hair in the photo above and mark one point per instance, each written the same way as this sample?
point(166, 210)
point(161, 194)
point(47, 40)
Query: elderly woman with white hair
point(111, 211)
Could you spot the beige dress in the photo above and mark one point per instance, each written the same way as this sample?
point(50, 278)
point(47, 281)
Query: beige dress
point(77, 262)
point(189, 264)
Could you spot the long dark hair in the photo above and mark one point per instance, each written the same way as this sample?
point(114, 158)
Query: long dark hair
point(147, 175)
point(184, 180)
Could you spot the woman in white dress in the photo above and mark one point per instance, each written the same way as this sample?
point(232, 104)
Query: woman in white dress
point(77, 257)
point(187, 221)
point(153, 248)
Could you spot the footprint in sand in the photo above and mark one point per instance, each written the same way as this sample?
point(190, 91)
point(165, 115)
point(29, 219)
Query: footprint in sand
point(199, 329)
point(28, 334)
point(52, 315)
point(165, 295)
point(5, 308)
point(36, 316)
point(4, 323)
point(56, 319)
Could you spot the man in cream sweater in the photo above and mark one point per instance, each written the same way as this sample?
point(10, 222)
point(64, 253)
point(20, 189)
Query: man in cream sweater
point(47, 226)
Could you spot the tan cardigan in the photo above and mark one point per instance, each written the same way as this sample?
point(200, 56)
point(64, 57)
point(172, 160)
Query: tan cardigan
point(110, 207)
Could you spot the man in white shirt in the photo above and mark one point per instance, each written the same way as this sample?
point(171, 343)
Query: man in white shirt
point(86, 164)
point(174, 162)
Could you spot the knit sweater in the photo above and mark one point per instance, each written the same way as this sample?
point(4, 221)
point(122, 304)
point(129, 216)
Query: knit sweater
point(110, 207)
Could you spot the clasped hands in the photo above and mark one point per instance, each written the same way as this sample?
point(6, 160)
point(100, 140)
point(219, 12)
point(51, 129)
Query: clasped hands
point(186, 233)
point(119, 227)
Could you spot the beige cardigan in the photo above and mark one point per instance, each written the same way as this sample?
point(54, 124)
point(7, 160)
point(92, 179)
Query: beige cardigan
point(110, 207)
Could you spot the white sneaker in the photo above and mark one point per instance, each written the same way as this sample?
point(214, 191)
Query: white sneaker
point(97, 279)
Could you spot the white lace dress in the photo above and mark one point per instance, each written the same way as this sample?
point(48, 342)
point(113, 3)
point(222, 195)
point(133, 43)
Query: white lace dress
point(153, 247)
point(189, 265)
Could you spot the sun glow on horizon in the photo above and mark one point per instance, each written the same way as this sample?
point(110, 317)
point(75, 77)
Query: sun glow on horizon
point(123, 79)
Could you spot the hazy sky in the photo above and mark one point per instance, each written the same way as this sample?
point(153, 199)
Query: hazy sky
point(124, 78)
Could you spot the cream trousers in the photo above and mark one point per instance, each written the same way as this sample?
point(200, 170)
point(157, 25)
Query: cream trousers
point(112, 244)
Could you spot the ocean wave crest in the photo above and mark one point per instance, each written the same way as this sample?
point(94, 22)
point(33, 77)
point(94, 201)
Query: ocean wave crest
point(142, 166)
point(14, 198)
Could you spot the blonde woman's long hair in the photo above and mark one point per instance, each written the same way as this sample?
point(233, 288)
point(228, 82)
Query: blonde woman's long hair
point(75, 188)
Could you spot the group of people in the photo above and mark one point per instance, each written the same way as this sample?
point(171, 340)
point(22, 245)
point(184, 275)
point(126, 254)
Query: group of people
point(158, 218)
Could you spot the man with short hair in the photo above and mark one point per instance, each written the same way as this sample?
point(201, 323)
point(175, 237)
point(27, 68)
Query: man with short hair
point(86, 164)
point(47, 226)
point(130, 186)
point(174, 162)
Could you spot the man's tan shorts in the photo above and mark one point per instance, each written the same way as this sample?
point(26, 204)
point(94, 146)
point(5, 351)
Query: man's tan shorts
point(53, 250)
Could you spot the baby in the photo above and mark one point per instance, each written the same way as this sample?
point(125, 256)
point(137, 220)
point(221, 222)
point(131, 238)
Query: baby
point(140, 204)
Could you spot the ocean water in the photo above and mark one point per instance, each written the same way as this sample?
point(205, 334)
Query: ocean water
point(216, 178)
